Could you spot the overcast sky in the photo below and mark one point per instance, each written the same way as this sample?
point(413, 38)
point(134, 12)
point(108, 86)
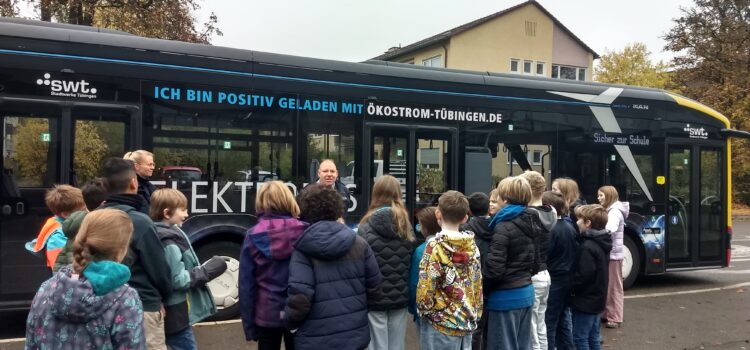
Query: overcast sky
point(356, 30)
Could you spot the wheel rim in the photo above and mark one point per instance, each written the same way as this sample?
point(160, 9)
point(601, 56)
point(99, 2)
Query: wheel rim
point(225, 288)
point(627, 262)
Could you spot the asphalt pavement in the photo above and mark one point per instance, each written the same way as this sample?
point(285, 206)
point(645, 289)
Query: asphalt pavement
point(705, 309)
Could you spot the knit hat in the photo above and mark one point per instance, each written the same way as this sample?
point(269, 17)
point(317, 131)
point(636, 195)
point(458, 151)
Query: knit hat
point(71, 225)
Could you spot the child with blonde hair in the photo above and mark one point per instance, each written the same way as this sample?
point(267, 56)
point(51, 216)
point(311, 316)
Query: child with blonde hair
point(264, 266)
point(91, 294)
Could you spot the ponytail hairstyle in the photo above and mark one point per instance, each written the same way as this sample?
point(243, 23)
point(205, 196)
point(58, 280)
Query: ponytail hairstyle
point(104, 235)
point(387, 191)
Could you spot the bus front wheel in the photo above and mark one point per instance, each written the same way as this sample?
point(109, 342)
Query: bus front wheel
point(225, 288)
point(631, 264)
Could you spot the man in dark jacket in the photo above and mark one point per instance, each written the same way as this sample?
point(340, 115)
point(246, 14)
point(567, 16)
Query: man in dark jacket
point(144, 169)
point(149, 272)
point(331, 274)
point(590, 274)
point(328, 175)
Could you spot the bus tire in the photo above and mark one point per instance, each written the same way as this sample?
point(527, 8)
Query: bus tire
point(631, 264)
point(225, 288)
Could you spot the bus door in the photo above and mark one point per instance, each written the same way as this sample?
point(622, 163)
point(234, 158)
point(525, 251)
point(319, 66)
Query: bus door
point(695, 230)
point(45, 143)
point(423, 159)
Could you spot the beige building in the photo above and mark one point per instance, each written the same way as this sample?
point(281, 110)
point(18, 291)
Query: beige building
point(525, 39)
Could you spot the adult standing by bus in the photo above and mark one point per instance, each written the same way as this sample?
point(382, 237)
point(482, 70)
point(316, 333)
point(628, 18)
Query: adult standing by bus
point(144, 169)
point(617, 212)
point(328, 175)
point(387, 230)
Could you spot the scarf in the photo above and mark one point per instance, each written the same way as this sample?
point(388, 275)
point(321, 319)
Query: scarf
point(509, 212)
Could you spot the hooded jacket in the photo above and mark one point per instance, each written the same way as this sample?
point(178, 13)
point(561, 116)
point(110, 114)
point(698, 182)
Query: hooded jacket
point(393, 254)
point(150, 274)
point(512, 258)
point(67, 314)
point(590, 273)
point(70, 229)
point(264, 271)
point(331, 275)
point(617, 213)
point(189, 302)
point(547, 220)
point(449, 291)
point(561, 251)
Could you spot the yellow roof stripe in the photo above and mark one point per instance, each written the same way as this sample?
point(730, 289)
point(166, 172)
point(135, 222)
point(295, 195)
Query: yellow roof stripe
point(686, 102)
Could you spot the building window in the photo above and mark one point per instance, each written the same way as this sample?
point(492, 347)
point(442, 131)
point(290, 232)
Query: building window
point(568, 72)
point(514, 65)
point(436, 61)
point(408, 61)
point(540, 68)
point(536, 158)
point(527, 67)
point(582, 74)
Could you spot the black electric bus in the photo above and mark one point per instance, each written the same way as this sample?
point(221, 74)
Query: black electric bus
point(223, 121)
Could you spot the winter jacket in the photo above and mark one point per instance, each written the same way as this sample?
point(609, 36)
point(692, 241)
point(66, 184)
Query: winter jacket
point(393, 254)
point(480, 226)
point(264, 271)
point(186, 289)
point(449, 291)
point(49, 241)
point(617, 213)
point(331, 275)
point(343, 191)
point(512, 258)
point(150, 274)
point(562, 250)
point(67, 313)
point(590, 272)
point(145, 190)
point(547, 220)
point(70, 229)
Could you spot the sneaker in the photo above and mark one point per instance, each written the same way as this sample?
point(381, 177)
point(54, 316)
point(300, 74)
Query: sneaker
point(612, 325)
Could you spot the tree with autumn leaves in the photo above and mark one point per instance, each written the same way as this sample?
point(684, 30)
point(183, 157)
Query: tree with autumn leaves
point(163, 19)
point(712, 43)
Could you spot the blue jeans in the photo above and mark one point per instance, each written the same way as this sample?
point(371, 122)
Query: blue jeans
point(182, 340)
point(558, 317)
point(509, 329)
point(431, 339)
point(586, 330)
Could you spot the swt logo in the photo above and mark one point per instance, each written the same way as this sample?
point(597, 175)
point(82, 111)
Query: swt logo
point(60, 87)
point(696, 133)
